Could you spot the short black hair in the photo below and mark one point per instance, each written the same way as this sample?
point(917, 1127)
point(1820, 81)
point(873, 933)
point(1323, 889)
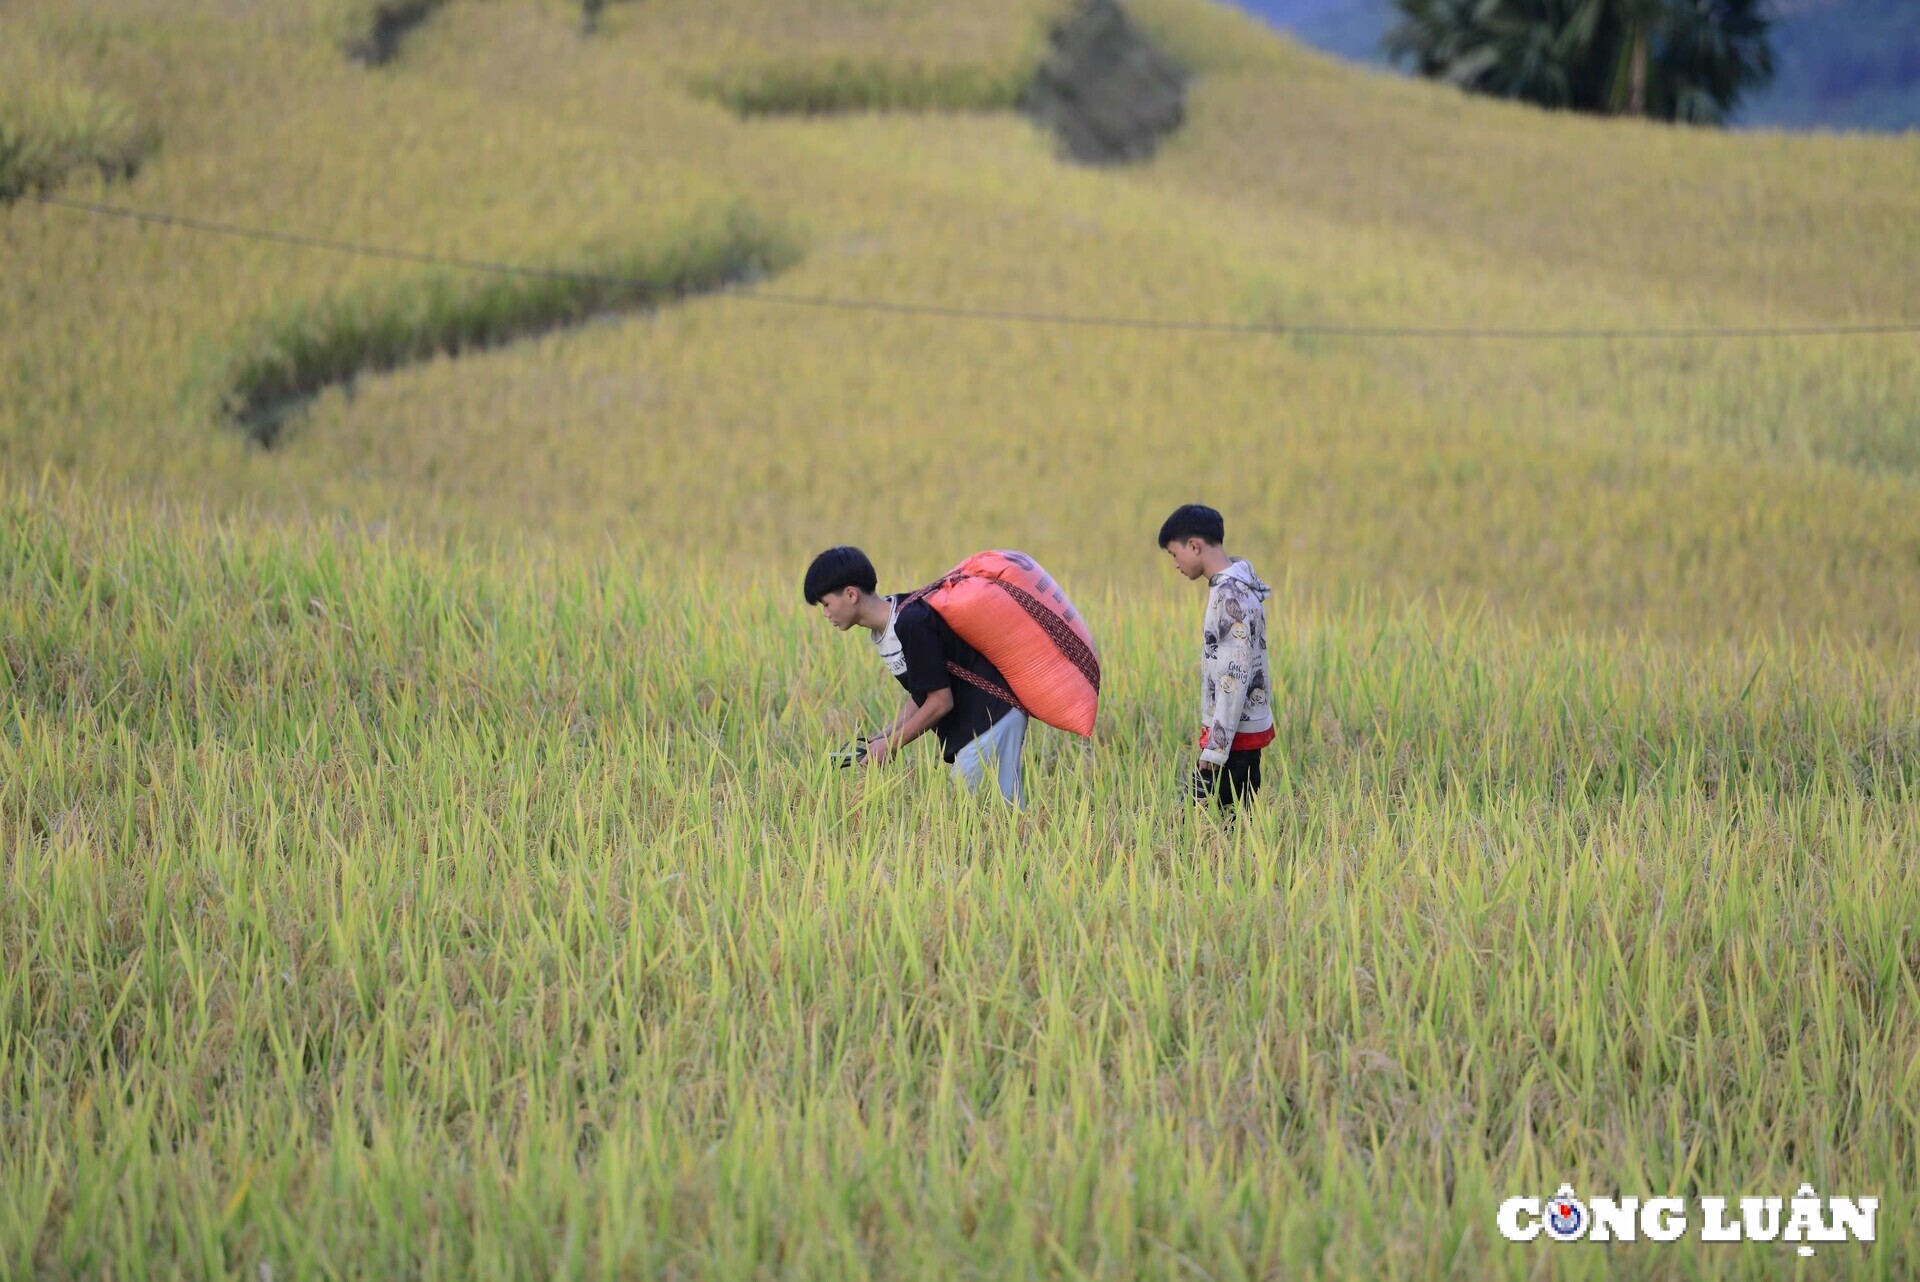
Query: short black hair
point(1193, 521)
point(838, 568)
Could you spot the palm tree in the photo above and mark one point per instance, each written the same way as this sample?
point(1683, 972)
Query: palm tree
point(1541, 51)
point(1705, 54)
point(1686, 60)
point(1441, 36)
point(1548, 51)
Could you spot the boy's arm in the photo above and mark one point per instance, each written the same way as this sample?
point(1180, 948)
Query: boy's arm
point(1230, 672)
point(907, 708)
point(924, 717)
point(928, 685)
point(891, 734)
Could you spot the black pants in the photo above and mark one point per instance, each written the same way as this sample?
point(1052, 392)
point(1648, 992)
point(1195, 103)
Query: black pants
point(1239, 778)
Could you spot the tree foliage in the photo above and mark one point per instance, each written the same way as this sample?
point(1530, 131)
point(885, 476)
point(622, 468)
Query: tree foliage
point(1682, 60)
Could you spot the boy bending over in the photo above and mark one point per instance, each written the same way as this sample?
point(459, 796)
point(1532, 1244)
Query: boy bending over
point(978, 732)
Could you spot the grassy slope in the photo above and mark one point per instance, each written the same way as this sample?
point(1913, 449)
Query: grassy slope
point(1745, 484)
point(52, 122)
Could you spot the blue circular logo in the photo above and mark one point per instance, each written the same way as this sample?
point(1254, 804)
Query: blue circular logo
point(1566, 1216)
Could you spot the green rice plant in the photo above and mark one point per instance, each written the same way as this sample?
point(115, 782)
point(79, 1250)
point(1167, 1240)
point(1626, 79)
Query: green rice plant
point(337, 339)
point(368, 909)
point(52, 123)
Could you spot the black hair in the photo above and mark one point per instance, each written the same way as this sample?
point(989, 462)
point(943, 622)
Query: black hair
point(839, 568)
point(1193, 521)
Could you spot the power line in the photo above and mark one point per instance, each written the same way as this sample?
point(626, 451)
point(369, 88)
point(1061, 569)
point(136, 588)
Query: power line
point(943, 311)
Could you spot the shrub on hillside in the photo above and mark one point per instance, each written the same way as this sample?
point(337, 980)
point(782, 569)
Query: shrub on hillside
point(1106, 90)
point(376, 27)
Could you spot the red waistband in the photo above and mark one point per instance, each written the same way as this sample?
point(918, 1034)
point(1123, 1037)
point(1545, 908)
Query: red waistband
point(1245, 741)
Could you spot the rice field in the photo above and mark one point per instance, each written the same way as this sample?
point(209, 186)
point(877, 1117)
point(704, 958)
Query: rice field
point(419, 854)
point(374, 914)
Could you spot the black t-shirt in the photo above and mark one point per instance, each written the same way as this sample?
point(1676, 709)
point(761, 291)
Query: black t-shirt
point(927, 644)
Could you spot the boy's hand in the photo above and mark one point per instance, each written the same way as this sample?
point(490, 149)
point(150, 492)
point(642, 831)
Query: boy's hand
point(879, 749)
point(1208, 767)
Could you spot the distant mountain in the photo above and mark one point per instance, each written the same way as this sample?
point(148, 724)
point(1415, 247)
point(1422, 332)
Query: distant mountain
point(1350, 28)
point(1843, 64)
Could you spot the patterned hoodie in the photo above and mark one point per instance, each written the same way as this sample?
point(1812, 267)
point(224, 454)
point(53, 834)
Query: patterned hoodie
point(1233, 662)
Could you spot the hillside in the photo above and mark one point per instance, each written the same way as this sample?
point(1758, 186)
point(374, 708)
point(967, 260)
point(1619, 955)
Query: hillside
point(1698, 488)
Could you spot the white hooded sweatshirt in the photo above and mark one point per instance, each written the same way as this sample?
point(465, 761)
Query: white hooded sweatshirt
point(1233, 660)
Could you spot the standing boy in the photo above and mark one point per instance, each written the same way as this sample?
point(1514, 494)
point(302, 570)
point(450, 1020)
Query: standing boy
point(978, 731)
point(1236, 721)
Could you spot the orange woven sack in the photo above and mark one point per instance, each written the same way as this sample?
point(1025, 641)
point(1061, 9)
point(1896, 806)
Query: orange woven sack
point(1010, 610)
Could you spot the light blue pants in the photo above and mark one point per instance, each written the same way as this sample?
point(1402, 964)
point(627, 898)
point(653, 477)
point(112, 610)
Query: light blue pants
point(997, 750)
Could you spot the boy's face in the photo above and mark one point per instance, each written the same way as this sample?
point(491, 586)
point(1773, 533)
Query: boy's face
point(1186, 556)
point(842, 608)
